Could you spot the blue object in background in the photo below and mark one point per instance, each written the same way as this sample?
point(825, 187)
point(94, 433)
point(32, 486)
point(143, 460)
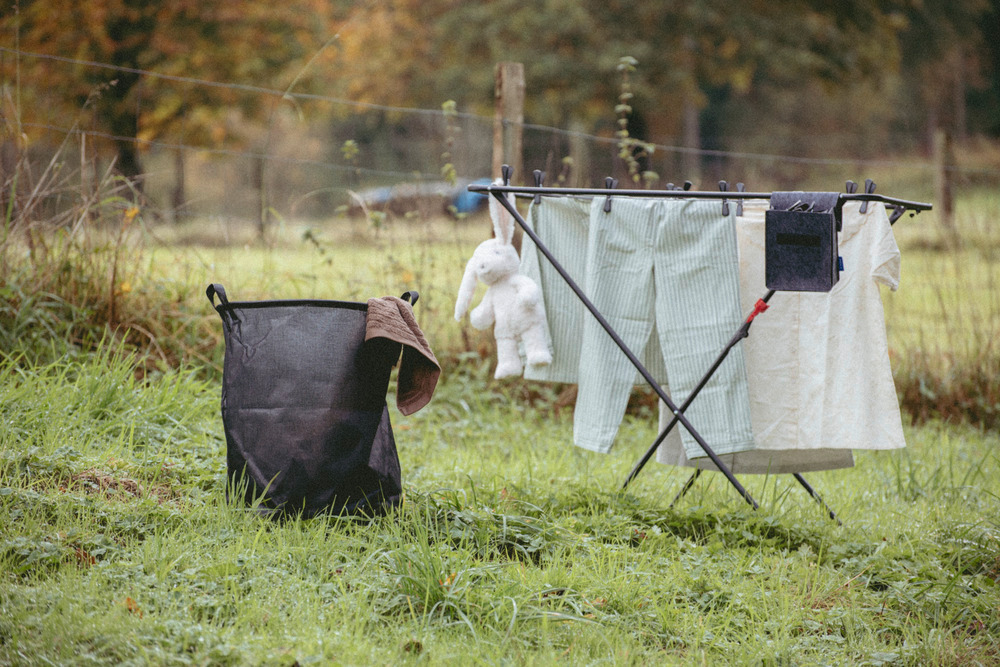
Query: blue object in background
point(470, 202)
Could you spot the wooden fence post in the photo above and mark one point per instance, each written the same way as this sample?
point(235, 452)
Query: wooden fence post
point(944, 202)
point(259, 179)
point(691, 127)
point(508, 119)
point(178, 194)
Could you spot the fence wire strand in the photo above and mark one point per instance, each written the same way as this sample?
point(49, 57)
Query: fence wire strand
point(468, 135)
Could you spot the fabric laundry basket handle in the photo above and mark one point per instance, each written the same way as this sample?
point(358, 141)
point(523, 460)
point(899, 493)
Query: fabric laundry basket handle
point(214, 289)
point(228, 316)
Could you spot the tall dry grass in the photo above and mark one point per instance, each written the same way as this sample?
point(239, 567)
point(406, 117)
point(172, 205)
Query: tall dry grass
point(944, 322)
point(72, 253)
point(83, 260)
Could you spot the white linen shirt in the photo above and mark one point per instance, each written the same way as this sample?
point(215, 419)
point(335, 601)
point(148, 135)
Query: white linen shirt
point(817, 363)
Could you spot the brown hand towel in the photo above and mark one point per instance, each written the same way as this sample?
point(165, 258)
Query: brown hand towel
point(391, 317)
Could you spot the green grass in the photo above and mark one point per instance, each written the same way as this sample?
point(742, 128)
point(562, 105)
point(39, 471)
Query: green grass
point(117, 545)
point(344, 260)
point(944, 321)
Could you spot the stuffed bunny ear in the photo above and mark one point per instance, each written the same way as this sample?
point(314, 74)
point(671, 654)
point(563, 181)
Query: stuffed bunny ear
point(465, 291)
point(503, 221)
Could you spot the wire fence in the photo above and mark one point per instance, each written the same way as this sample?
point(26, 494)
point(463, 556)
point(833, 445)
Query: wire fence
point(317, 154)
point(315, 157)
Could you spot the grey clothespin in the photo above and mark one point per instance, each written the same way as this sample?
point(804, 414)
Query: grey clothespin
point(739, 204)
point(723, 186)
point(610, 184)
point(539, 179)
point(869, 189)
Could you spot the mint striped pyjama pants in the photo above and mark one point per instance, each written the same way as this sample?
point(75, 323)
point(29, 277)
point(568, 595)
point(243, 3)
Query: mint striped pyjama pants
point(664, 273)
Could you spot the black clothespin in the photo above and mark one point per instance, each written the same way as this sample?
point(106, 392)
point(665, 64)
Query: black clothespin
point(739, 204)
point(539, 179)
point(610, 184)
point(723, 186)
point(505, 172)
point(687, 185)
point(869, 189)
point(897, 212)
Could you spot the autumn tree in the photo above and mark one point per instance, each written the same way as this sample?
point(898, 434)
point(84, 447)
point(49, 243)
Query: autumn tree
point(835, 63)
point(409, 52)
point(142, 51)
point(940, 41)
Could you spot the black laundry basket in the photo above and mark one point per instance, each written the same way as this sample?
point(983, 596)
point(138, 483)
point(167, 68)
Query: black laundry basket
point(303, 407)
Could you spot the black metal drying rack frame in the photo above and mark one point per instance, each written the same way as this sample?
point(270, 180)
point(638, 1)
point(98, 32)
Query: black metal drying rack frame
point(900, 206)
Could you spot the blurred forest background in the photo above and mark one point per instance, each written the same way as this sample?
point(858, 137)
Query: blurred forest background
point(247, 111)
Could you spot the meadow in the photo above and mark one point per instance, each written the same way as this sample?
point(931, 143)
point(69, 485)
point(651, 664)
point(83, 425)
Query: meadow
point(512, 546)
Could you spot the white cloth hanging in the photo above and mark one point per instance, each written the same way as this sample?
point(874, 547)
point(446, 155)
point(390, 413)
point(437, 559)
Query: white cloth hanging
point(817, 363)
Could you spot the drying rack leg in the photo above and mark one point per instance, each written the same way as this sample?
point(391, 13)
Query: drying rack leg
point(634, 360)
point(812, 492)
point(740, 334)
point(687, 487)
point(798, 477)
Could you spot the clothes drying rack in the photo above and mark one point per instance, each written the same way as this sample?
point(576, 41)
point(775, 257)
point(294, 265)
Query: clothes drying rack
point(500, 192)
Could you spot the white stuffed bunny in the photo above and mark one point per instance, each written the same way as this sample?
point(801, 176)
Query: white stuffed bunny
point(512, 303)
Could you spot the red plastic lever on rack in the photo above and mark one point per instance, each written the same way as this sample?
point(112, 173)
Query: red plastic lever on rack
point(758, 308)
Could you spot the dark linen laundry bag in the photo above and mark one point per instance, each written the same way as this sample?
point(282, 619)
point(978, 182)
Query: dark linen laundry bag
point(303, 401)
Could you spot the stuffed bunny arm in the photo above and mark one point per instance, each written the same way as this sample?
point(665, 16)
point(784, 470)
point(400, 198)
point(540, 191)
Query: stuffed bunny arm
point(465, 290)
point(529, 295)
point(484, 315)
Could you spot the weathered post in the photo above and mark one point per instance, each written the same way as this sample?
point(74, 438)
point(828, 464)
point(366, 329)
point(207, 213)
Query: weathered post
point(944, 202)
point(508, 119)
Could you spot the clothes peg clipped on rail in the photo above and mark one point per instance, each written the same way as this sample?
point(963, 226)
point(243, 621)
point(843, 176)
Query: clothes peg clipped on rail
point(724, 187)
point(897, 213)
point(610, 184)
point(506, 171)
point(539, 180)
point(687, 185)
point(740, 187)
point(869, 189)
point(851, 187)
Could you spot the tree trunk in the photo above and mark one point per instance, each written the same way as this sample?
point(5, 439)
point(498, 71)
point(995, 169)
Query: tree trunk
point(129, 165)
point(123, 122)
point(959, 97)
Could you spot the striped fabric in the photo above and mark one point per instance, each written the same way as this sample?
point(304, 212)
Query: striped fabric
point(563, 224)
point(665, 274)
point(673, 262)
